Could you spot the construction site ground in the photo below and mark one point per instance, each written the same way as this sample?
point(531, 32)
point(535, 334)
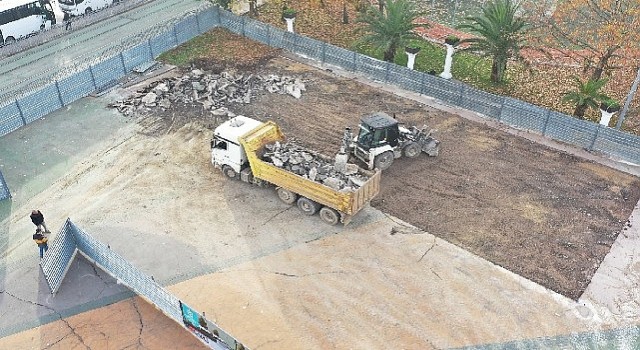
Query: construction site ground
point(492, 241)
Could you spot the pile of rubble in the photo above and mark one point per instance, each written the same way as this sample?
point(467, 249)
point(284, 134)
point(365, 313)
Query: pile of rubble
point(214, 91)
point(314, 166)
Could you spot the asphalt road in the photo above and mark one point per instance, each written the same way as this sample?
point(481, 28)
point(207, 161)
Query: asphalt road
point(82, 46)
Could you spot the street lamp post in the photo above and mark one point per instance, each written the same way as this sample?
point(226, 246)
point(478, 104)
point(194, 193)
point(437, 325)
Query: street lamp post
point(627, 102)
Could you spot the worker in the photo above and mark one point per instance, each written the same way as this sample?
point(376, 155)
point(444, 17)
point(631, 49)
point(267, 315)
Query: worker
point(38, 219)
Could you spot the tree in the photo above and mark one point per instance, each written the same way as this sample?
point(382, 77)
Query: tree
point(605, 29)
point(225, 4)
point(500, 34)
point(390, 29)
point(587, 95)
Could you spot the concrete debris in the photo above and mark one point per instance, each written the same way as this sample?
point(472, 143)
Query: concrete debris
point(216, 92)
point(314, 166)
point(149, 98)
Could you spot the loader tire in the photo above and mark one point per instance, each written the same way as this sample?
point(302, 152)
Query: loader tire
point(307, 206)
point(384, 160)
point(286, 195)
point(411, 150)
point(229, 172)
point(330, 216)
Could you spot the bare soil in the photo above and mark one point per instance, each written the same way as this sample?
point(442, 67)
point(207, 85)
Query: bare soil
point(546, 215)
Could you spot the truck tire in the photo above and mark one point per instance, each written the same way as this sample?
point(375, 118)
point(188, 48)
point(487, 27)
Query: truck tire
point(411, 150)
point(383, 160)
point(229, 172)
point(330, 216)
point(307, 206)
point(286, 195)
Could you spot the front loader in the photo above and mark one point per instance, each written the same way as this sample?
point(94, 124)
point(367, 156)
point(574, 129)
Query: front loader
point(381, 139)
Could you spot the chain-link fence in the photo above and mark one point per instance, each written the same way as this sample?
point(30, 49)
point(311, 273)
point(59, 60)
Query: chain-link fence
point(140, 49)
point(58, 257)
point(4, 189)
point(71, 239)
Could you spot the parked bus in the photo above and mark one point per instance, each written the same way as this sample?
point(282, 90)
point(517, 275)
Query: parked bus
point(83, 7)
point(21, 18)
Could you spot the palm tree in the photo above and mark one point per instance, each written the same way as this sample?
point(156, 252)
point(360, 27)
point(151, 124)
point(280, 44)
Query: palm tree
point(500, 34)
point(587, 95)
point(390, 29)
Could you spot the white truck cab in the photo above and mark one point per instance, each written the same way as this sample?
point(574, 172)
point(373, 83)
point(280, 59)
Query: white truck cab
point(226, 151)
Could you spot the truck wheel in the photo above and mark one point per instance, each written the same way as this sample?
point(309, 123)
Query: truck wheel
point(411, 150)
point(383, 161)
point(286, 195)
point(229, 172)
point(308, 206)
point(330, 216)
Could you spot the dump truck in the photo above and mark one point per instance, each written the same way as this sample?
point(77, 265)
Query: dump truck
point(237, 148)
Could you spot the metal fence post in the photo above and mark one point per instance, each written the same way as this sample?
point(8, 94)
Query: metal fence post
point(150, 48)
point(198, 23)
point(93, 78)
point(268, 35)
point(242, 21)
point(386, 75)
point(502, 99)
point(175, 34)
point(24, 122)
point(595, 137)
point(59, 94)
point(546, 122)
point(355, 60)
point(423, 84)
point(124, 67)
point(324, 52)
point(460, 97)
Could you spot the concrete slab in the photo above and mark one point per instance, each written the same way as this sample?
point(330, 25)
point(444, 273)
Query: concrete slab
point(614, 291)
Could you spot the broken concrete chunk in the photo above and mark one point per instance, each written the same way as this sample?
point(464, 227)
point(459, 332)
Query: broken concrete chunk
point(351, 169)
point(197, 86)
point(333, 182)
point(161, 87)
point(149, 98)
point(313, 173)
point(164, 103)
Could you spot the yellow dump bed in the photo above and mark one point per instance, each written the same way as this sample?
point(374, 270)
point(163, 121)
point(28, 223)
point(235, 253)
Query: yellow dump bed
point(347, 203)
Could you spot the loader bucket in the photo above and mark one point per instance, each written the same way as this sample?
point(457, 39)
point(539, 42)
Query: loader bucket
point(431, 147)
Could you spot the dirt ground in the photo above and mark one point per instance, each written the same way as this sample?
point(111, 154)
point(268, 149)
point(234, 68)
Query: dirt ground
point(546, 215)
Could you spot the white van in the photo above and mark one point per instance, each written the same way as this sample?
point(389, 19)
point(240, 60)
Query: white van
point(83, 7)
point(21, 18)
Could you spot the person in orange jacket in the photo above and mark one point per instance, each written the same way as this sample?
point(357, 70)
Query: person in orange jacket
point(41, 240)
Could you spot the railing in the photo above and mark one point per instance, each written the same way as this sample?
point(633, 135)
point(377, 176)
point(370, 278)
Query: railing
point(72, 240)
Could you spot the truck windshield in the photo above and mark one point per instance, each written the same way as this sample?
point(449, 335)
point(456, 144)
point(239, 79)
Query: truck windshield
point(365, 136)
point(67, 2)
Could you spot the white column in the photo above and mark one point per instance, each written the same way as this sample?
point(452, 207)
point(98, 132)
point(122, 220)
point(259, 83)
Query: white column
point(290, 24)
point(448, 61)
point(606, 117)
point(411, 59)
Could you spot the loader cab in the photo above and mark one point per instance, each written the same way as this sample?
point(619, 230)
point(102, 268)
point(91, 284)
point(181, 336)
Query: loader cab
point(377, 130)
